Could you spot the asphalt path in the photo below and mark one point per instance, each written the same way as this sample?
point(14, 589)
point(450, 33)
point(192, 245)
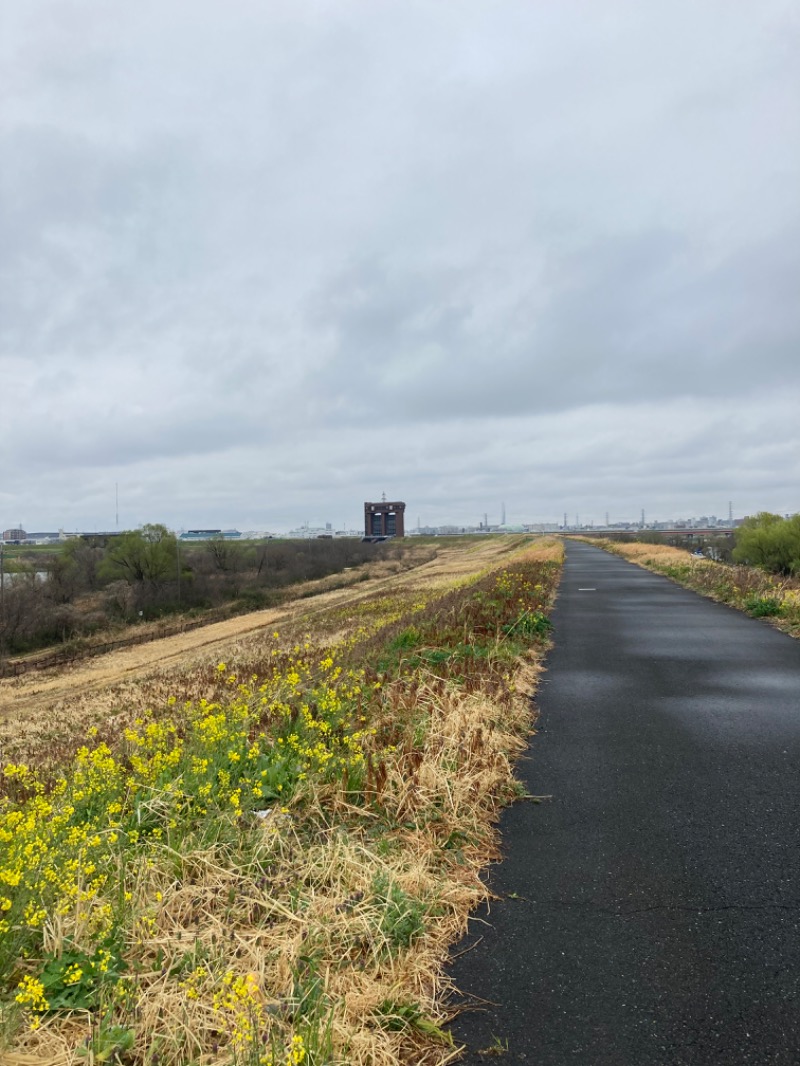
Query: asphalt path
point(648, 912)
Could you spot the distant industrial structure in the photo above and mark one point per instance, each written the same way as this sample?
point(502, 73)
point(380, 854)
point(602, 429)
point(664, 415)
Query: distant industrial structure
point(19, 536)
point(384, 519)
point(210, 534)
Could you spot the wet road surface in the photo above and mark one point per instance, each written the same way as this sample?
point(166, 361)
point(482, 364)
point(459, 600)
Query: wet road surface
point(649, 911)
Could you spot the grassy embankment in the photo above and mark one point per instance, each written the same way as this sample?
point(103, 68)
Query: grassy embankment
point(88, 602)
point(268, 867)
point(759, 594)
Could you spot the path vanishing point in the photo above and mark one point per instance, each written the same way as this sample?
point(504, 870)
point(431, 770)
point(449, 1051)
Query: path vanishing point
point(648, 912)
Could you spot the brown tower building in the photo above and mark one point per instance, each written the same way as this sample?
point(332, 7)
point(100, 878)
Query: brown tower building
point(384, 519)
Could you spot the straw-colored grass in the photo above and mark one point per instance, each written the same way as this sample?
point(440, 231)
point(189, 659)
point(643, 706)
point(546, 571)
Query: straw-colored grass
point(759, 594)
point(202, 923)
point(646, 553)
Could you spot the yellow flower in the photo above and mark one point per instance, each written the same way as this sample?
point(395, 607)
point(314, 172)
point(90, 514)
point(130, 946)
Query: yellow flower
point(31, 994)
point(297, 1052)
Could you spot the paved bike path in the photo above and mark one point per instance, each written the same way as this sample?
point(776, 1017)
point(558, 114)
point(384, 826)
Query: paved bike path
point(650, 910)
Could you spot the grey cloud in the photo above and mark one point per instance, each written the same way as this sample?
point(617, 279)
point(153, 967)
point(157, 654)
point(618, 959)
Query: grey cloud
point(623, 318)
point(237, 245)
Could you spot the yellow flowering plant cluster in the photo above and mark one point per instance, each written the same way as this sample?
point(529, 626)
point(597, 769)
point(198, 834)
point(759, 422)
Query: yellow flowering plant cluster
point(54, 864)
point(140, 890)
point(63, 848)
point(239, 1009)
point(240, 1003)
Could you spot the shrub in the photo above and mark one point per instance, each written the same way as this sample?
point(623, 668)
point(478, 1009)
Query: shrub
point(762, 606)
point(769, 542)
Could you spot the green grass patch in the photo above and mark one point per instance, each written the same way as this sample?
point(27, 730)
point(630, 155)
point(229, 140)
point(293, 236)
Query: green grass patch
point(762, 606)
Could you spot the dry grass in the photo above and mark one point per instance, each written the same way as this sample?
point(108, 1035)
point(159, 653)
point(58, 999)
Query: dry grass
point(328, 920)
point(42, 713)
point(646, 553)
point(762, 595)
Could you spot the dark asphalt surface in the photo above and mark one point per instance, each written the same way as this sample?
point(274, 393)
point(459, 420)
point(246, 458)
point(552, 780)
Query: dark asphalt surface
point(658, 890)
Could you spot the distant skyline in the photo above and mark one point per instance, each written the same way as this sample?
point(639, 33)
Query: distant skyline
point(262, 262)
point(513, 518)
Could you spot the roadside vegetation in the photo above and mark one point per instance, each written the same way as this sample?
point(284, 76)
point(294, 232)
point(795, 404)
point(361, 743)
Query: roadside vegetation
point(96, 586)
point(771, 543)
point(715, 546)
point(268, 865)
point(758, 592)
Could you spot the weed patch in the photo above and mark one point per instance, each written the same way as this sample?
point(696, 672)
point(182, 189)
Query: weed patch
point(269, 870)
point(762, 606)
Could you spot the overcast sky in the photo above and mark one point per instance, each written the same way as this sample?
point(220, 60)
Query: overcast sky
point(262, 261)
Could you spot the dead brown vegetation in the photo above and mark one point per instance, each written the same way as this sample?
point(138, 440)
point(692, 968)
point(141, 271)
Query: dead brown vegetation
point(335, 911)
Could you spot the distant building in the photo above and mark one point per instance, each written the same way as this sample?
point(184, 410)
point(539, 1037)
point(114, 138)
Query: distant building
point(210, 534)
point(200, 534)
point(384, 519)
point(14, 536)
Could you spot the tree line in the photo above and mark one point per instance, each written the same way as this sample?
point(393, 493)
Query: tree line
point(95, 583)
